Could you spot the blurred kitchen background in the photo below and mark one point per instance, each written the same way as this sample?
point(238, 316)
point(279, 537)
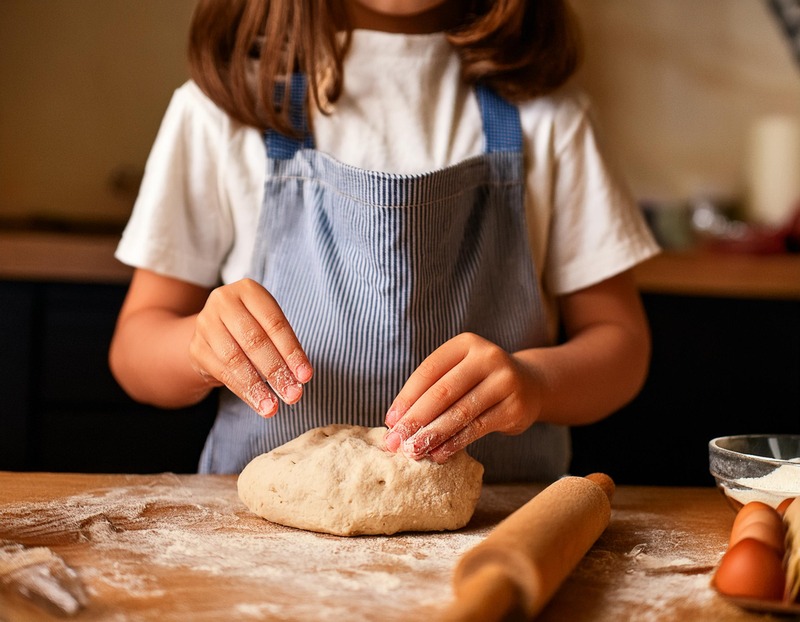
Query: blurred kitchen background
point(85, 83)
point(699, 101)
point(679, 85)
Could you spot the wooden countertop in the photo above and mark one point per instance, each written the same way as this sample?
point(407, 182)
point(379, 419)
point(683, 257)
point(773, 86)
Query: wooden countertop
point(90, 258)
point(183, 547)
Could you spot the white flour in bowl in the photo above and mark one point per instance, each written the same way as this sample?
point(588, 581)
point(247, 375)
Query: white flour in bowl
point(772, 488)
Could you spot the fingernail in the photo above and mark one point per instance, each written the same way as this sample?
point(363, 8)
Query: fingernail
point(303, 373)
point(415, 447)
point(391, 417)
point(267, 407)
point(292, 393)
point(392, 441)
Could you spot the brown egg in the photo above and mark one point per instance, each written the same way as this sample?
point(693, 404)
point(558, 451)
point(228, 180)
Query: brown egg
point(767, 532)
point(750, 569)
point(761, 522)
point(751, 506)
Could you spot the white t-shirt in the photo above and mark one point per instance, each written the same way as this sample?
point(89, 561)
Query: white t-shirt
point(404, 109)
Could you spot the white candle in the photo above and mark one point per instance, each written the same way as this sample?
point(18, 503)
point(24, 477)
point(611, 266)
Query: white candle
point(773, 170)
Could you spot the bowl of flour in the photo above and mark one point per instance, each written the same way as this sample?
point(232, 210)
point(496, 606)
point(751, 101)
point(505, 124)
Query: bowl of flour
point(756, 467)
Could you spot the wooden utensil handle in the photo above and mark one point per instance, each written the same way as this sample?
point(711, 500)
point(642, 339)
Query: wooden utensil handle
point(486, 595)
point(529, 554)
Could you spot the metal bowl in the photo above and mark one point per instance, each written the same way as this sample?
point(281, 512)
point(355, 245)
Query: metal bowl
point(756, 467)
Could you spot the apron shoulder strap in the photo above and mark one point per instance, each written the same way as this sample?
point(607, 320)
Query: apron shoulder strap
point(280, 146)
point(501, 125)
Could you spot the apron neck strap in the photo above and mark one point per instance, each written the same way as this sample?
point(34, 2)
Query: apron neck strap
point(280, 146)
point(501, 125)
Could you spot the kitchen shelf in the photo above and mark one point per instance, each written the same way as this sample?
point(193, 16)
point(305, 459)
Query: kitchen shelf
point(53, 256)
point(717, 274)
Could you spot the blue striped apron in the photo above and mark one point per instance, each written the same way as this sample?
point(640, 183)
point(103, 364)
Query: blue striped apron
point(375, 270)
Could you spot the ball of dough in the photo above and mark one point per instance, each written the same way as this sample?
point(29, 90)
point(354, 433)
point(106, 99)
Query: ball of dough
point(339, 479)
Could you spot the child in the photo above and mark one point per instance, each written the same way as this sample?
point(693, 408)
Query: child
point(403, 200)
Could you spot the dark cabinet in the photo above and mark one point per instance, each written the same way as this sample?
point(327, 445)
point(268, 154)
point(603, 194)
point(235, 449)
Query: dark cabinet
point(720, 366)
point(61, 408)
point(16, 332)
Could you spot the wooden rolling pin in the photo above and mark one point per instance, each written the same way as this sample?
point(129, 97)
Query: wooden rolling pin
point(520, 565)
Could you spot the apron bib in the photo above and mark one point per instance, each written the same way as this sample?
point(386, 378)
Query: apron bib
point(375, 270)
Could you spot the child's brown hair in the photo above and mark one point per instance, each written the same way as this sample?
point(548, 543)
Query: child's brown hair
point(521, 48)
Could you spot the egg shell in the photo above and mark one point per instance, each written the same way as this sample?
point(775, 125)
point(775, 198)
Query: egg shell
point(751, 506)
point(750, 569)
point(762, 523)
point(767, 532)
point(746, 512)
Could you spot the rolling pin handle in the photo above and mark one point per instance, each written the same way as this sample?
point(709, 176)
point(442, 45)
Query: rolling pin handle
point(525, 559)
point(487, 595)
point(605, 482)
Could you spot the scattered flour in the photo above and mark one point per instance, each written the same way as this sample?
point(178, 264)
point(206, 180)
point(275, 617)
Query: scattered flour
point(154, 535)
point(668, 570)
point(140, 543)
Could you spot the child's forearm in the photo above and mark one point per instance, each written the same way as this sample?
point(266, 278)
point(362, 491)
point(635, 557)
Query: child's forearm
point(149, 357)
point(593, 374)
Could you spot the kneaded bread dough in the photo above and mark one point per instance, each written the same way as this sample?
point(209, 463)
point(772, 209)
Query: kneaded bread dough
point(340, 480)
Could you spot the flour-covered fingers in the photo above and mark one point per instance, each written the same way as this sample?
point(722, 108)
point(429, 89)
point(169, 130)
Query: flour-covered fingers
point(434, 387)
point(475, 429)
point(216, 354)
point(469, 414)
point(467, 388)
point(250, 343)
point(261, 353)
point(271, 343)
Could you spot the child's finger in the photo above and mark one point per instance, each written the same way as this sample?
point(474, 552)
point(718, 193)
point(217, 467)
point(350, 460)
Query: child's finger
point(253, 357)
point(434, 387)
point(219, 355)
point(284, 363)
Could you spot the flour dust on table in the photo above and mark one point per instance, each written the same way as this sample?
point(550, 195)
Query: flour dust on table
point(340, 480)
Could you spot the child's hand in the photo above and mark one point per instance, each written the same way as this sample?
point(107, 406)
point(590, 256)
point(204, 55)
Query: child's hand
point(465, 389)
point(243, 339)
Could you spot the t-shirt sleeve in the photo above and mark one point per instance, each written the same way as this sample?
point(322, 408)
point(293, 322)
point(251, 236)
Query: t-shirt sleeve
point(598, 230)
point(178, 227)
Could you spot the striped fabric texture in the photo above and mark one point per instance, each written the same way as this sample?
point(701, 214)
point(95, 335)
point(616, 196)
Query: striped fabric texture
point(375, 271)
